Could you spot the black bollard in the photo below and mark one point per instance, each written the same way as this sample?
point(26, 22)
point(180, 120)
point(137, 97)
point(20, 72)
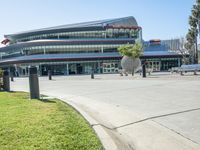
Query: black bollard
point(6, 81)
point(144, 71)
point(34, 83)
point(181, 73)
point(50, 74)
point(11, 76)
point(92, 74)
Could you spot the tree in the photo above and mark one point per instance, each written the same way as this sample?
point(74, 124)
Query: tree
point(194, 22)
point(191, 44)
point(131, 50)
point(131, 53)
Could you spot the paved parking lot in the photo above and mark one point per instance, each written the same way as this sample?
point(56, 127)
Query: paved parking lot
point(159, 112)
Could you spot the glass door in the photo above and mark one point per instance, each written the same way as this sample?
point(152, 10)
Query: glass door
point(154, 65)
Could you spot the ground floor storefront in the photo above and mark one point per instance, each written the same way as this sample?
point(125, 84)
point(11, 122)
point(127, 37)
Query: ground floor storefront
point(163, 64)
point(69, 68)
point(97, 66)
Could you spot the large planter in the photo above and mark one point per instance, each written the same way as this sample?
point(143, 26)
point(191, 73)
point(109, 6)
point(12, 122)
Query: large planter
point(130, 65)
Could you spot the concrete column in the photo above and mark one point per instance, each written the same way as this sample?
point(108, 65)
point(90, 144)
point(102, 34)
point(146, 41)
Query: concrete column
point(40, 70)
point(34, 83)
point(99, 67)
point(12, 71)
point(6, 81)
point(67, 67)
point(179, 62)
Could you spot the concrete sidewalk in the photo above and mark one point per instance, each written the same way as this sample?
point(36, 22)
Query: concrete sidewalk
point(161, 112)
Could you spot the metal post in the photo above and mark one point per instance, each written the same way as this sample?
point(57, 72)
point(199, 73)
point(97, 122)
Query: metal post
point(181, 73)
point(50, 74)
point(12, 76)
point(92, 74)
point(133, 72)
point(144, 70)
point(6, 81)
point(34, 83)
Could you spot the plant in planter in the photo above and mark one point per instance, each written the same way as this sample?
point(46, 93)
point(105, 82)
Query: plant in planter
point(131, 57)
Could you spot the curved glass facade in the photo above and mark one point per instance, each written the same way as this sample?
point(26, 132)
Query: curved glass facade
point(53, 47)
point(102, 34)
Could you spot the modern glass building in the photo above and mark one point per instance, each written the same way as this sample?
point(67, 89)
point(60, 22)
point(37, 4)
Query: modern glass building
point(70, 49)
point(159, 56)
point(79, 48)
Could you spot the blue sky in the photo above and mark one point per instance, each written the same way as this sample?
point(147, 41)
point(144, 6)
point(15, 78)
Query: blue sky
point(160, 19)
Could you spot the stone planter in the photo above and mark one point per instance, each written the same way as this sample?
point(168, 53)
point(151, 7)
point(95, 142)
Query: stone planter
point(130, 65)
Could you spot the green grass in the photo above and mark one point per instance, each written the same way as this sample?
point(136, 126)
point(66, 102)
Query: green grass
point(33, 124)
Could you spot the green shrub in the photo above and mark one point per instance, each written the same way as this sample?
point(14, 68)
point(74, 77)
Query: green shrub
point(131, 50)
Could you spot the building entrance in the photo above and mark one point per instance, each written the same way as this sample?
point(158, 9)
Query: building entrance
point(79, 69)
point(154, 65)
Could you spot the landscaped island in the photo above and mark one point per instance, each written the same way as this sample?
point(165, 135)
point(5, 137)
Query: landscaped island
point(34, 124)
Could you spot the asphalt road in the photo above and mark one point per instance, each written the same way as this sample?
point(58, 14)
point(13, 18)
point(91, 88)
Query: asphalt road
point(160, 112)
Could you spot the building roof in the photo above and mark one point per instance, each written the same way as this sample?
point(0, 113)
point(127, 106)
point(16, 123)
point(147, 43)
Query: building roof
point(156, 49)
point(125, 21)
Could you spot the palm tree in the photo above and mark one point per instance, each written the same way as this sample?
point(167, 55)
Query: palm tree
point(194, 22)
point(191, 44)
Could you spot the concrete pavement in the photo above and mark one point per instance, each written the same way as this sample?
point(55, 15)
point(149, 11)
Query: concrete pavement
point(161, 112)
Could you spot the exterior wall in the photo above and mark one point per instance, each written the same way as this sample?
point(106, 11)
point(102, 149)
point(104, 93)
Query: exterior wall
point(86, 38)
point(160, 56)
point(173, 44)
point(69, 68)
point(104, 40)
point(163, 64)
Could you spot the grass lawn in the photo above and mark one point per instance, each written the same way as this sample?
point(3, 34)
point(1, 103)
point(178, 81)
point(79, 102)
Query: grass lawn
point(33, 124)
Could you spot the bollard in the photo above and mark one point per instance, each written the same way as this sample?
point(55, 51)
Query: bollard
point(34, 83)
point(11, 76)
point(6, 81)
point(92, 74)
point(181, 73)
point(144, 71)
point(50, 74)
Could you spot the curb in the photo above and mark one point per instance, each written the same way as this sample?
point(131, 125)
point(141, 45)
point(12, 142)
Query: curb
point(104, 137)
